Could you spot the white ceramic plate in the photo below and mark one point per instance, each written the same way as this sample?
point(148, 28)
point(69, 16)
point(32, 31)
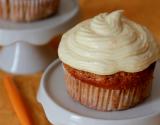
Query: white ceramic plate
point(42, 31)
point(22, 52)
point(60, 109)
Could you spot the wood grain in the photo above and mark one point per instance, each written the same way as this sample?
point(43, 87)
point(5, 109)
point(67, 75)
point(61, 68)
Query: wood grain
point(146, 12)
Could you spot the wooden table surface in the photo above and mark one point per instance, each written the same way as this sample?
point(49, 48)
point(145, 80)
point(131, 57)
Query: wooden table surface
point(146, 12)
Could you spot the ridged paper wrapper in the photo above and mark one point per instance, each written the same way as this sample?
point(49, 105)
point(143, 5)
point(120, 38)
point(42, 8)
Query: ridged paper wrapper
point(104, 99)
point(27, 10)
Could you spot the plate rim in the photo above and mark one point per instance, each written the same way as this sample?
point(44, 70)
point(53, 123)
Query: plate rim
point(42, 82)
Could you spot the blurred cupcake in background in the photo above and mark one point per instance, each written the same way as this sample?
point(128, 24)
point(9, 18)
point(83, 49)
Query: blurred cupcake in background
point(109, 62)
point(27, 10)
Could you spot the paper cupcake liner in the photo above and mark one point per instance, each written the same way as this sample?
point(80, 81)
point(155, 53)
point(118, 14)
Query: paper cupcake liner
point(27, 10)
point(106, 99)
point(4, 9)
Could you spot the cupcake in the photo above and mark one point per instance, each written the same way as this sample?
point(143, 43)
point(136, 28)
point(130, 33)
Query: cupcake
point(27, 10)
point(109, 62)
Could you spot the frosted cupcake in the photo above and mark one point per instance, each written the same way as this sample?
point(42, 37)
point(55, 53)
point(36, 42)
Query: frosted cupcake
point(27, 10)
point(109, 62)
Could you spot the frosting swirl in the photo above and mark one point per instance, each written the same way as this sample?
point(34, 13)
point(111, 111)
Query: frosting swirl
point(107, 44)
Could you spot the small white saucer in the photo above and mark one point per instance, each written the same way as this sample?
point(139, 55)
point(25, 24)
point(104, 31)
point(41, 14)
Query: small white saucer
point(24, 49)
point(42, 31)
point(60, 109)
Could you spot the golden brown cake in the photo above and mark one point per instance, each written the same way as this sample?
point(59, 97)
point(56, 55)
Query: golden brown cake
point(119, 91)
point(109, 62)
point(27, 10)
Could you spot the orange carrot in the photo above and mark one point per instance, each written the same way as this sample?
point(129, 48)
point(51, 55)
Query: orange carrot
point(17, 101)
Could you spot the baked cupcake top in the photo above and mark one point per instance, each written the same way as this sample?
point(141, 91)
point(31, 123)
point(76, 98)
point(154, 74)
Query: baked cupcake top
point(107, 44)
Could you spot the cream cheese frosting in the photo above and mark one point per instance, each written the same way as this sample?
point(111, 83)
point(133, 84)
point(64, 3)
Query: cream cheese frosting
point(107, 44)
